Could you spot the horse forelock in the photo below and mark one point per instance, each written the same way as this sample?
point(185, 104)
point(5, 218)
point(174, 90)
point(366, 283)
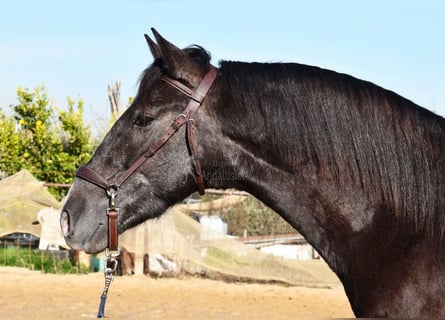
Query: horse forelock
point(360, 133)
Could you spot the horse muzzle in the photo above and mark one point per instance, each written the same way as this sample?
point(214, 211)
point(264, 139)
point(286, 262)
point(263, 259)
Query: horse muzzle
point(92, 243)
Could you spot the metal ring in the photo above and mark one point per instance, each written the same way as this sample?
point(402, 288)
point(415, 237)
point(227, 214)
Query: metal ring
point(112, 190)
point(113, 267)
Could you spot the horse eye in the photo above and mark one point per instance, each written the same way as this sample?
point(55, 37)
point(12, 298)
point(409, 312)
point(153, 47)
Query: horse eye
point(142, 120)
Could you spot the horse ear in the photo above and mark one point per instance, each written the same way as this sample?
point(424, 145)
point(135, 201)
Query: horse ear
point(153, 47)
point(176, 61)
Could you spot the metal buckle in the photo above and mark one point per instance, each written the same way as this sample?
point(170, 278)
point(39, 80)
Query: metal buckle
point(181, 115)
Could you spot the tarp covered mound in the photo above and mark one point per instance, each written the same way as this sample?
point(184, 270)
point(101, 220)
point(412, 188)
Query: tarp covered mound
point(209, 253)
point(21, 197)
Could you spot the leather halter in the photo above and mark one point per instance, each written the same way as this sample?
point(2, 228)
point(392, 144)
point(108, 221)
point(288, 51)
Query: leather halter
point(196, 99)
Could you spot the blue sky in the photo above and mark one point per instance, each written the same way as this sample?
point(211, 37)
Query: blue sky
point(77, 48)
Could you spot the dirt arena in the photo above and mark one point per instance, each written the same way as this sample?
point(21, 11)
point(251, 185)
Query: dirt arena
point(31, 294)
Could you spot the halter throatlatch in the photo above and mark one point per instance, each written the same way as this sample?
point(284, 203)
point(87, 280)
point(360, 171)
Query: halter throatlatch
point(196, 99)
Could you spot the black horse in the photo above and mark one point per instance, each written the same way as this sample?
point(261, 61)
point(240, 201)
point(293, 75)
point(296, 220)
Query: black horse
point(357, 169)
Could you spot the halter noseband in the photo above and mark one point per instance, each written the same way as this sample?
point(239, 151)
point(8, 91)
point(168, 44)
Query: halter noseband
point(196, 99)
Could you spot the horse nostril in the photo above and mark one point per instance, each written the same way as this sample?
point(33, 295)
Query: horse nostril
point(65, 223)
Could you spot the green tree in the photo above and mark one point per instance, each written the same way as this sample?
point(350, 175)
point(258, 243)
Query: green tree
point(10, 146)
point(255, 218)
point(49, 142)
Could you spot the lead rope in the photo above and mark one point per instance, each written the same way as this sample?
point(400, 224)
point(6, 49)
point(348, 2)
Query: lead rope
point(109, 271)
point(111, 256)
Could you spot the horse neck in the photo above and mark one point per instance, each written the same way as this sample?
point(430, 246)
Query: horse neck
point(327, 181)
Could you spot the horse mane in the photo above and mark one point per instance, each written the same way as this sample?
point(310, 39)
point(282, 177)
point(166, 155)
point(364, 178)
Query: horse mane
point(352, 130)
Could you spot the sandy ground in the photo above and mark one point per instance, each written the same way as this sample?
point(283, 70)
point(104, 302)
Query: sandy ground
point(31, 294)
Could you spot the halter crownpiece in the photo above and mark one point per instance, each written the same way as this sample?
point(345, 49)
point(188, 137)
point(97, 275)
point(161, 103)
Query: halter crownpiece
point(196, 100)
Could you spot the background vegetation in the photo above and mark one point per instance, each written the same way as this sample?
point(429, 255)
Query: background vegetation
point(45, 261)
point(255, 218)
point(44, 139)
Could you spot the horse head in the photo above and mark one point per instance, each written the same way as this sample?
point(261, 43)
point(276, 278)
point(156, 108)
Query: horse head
point(148, 159)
